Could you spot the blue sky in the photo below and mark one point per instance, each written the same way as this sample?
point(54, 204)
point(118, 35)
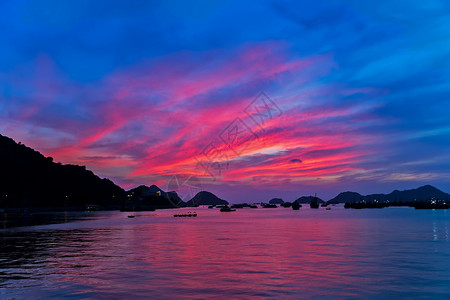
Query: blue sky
point(136, 90)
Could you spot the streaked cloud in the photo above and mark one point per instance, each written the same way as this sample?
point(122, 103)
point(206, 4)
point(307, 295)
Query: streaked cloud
point(137, 92)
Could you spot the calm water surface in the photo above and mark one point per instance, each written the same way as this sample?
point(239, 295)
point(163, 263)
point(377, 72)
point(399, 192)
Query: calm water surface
point(266, 253)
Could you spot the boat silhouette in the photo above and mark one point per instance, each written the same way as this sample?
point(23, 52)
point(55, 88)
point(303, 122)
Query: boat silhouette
point(226, 208)
point(189, 214)
point(314, 203)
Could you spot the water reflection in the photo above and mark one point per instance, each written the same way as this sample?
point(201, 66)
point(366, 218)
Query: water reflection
point(439, 225)
point(14, 220)
point(251, 253)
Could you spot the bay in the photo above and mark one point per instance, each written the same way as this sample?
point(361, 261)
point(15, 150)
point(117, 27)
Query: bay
point(277, 253)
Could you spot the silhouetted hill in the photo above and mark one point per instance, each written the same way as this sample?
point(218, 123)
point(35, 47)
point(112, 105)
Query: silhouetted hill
point(144, 191)
point(175, 198)
point(154, 190)
point(30, 180)
point(346, 197)
point(206, 198)
point(276, 201)
point(307, 200)
point(145, 198)
point(420, 194)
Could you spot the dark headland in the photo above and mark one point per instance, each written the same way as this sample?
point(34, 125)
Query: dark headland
point(30, 180)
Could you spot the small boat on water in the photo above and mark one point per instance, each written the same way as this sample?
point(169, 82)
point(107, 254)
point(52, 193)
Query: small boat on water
point(226, 208)
point(270, 206)
point(328, 208)
point(237, 206)
point(130, 216)
point(314, 203)
point(189, 214)
point(296, 205)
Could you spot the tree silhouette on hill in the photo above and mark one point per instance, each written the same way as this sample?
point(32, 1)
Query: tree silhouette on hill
point(29, 179)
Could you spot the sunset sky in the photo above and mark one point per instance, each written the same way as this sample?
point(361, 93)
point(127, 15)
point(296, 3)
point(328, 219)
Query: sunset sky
point(252, 99)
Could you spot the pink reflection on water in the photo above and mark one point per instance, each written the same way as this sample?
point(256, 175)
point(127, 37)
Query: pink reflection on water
point(273, 253)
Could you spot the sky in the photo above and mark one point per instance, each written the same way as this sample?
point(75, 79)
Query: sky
point(247, 99)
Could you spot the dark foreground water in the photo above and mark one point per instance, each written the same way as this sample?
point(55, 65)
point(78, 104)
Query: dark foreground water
point(266, 253)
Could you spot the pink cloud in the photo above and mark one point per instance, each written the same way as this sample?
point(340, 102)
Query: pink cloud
point(155, 118)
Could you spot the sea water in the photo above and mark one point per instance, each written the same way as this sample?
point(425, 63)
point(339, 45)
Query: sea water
point(274, 253)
